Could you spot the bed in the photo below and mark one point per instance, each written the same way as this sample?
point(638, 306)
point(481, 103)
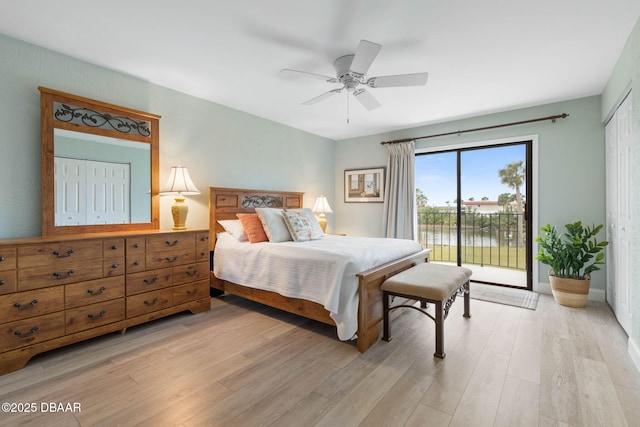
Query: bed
point(226, 203)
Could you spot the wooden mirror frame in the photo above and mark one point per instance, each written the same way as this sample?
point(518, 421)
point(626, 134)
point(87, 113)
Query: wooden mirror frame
point(48, 98)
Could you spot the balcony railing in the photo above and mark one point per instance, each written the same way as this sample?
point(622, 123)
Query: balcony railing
point(496, 239)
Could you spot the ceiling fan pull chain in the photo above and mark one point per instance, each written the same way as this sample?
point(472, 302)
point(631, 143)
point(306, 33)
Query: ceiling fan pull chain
point(347, 106)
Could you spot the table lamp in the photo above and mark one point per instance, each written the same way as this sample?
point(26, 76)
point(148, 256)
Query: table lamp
point(179, 184)
point(321, 208)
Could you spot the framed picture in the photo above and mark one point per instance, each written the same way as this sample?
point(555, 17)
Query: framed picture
point(364, 185)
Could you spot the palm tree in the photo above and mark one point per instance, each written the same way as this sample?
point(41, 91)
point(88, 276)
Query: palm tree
point(513, 175)
point(421, 198)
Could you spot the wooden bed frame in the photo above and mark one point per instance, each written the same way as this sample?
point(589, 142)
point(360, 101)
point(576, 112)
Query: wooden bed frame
point(225, 203)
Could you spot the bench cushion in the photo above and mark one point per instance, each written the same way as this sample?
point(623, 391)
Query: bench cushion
point(428, 280)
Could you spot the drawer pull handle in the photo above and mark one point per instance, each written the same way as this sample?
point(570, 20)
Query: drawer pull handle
point(155, 300)
point(174, 243)
point(204, 239)
point(136, 245)
point(151, 281)
point(26, 307)
point(96, 316)
point(192, 292)
point(114, 247)
point(136, 263)
point(192, 273)
point(21, 335)
point(98, 292)
point(174, 259)
point(64, 255)
point(114, 266)
point(1, 258)
point(1, 282)
point(63, 276)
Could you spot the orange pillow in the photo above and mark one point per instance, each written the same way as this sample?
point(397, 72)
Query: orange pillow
point(253, 227)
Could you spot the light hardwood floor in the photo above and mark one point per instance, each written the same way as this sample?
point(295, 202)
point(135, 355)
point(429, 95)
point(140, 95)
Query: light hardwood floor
point(242, 364)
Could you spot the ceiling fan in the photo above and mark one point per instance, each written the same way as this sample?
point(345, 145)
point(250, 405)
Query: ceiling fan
point(351, 72)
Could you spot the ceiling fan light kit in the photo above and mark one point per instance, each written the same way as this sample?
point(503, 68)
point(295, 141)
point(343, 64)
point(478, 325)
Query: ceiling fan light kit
point(351, 72)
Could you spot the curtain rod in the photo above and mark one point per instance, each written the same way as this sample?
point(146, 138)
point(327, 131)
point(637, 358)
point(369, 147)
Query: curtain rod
point(552, 118)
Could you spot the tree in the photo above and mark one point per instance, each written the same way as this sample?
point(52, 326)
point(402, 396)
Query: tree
point(485, 198)
point(421, 199)
point(504, 199)
point(513, 175)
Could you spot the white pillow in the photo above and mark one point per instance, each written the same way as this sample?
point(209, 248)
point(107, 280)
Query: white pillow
point(273, 224)
point(301, 225)
point(235, 228)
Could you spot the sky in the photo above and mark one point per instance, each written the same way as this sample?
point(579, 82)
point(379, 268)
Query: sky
point(436, 173)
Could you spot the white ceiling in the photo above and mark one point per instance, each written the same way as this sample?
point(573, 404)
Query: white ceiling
point(481, 56)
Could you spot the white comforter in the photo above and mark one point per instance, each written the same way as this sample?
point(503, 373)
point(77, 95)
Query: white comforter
point(322, 271)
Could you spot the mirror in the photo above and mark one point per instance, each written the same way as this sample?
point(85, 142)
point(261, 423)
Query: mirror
point(99, 166)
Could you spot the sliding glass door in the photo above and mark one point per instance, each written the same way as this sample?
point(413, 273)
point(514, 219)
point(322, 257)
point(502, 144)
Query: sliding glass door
point(472, 210)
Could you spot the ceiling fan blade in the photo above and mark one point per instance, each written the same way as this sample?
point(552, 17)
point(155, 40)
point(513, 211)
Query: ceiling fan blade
point(366, 99)
point(364, 56)
point(417, 79)
point(288, 72)
point(322, 97)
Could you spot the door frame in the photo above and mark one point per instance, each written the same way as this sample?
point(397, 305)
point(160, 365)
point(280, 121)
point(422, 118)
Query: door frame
point(532, 186)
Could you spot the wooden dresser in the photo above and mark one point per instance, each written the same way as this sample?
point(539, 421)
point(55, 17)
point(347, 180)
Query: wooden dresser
point(55, 291)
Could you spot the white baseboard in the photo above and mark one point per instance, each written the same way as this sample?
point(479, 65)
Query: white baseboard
point(594, 294)
point(634, 352)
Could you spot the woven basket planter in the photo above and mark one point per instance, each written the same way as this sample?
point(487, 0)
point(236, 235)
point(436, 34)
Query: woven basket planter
point(570, 292)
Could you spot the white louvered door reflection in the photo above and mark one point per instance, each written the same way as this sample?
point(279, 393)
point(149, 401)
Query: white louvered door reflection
point(91, 192)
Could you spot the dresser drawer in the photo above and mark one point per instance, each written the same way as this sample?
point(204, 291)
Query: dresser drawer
point(7, 258)
point(31, 331)
point(149, 281)
point(8, 281)
point(190, 292)
point(170, 258)
point(178, 242)
point(94, 291)
point(113, 267)
point(59, 274)
point(190, 273)
point(113, 248)
point(94, 315)
point(22, 305)
point(202, 253)
point(138, 305)
point(53, 253)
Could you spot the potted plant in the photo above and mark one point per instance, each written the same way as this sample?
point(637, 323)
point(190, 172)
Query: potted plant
point(572, 256)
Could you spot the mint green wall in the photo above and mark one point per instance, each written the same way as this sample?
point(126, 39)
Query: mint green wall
point(219, 145)
point(570, 167)
point(625, 77)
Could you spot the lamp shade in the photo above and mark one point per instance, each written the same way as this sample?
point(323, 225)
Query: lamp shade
point(179, 182)
point(322, 206)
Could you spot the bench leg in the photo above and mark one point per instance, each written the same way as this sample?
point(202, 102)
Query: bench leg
point(467, 296)
point(386, 334)
point(439, 319)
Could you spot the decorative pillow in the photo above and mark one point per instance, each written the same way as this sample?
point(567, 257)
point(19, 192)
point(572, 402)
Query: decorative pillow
point(300, 225)
point(312, 218)
point(235, 228)
point(252, 227)
point(273, 224)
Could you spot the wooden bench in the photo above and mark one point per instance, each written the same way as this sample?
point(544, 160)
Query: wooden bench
point(438, 284)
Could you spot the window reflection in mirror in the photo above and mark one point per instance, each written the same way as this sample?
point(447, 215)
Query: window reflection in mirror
point(100, 180)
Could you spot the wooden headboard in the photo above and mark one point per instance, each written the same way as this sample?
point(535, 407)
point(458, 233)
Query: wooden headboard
point(225, 203)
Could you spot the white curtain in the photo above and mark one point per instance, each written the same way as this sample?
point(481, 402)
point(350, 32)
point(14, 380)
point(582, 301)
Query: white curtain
point(399, 204)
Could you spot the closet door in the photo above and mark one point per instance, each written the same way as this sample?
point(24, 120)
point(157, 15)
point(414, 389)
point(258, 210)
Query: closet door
point(618, 154)
point(70, 187)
